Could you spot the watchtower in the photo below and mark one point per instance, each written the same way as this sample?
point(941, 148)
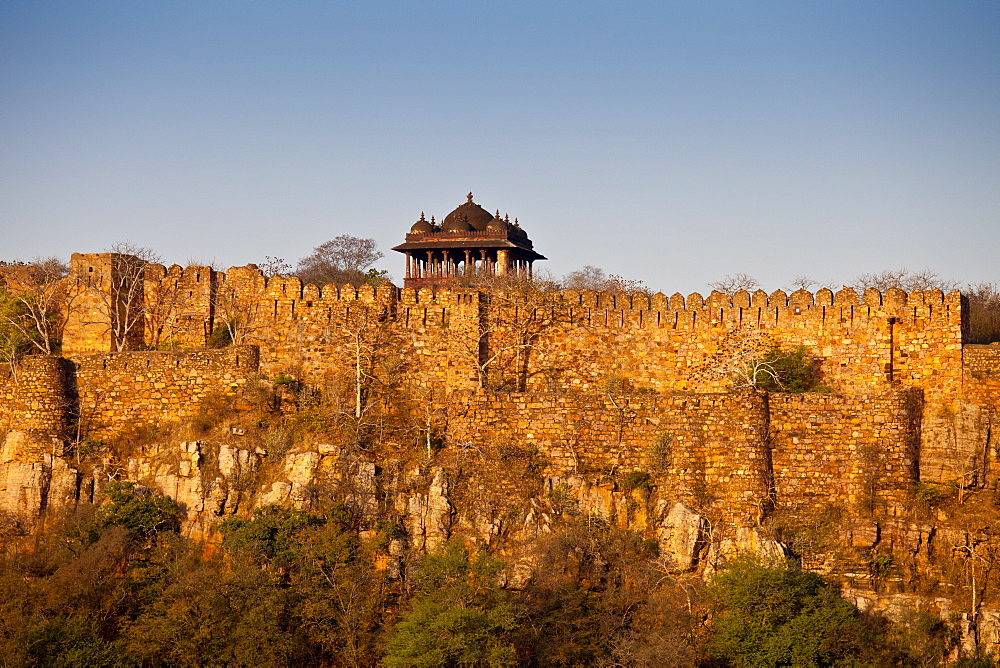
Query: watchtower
point(470, 242)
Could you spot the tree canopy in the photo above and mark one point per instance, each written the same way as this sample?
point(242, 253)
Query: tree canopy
point(344, 259)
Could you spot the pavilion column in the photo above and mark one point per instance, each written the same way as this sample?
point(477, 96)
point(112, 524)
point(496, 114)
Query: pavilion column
point(468, 263)
point(408, 264)
point(503, 262)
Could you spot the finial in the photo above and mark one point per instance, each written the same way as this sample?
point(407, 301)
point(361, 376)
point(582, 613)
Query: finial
point(432, 220)
point(506, 218)
point(422, 217)
point(498, 214)
point(516, 224)
point(470, 197)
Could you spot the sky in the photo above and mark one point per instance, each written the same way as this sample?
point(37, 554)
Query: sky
point(672, 142)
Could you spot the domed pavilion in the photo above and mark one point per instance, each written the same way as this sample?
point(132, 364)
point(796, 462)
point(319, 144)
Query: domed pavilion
point(470, 242)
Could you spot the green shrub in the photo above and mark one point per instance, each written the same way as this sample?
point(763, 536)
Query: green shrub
point(931, 494)
point(637, 480)
point(136, 509)
point(460, 617)
point(220, 337)
point(272, 537)
point(786, 617)
point(794, 370)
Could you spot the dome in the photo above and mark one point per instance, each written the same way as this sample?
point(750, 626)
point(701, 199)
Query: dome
point(497, 224)
point(471, 214)
point(421, 226)
point(453, 223)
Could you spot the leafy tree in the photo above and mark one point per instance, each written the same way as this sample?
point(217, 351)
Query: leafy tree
point(600, 596)
point(137, 509)
point(271, 538)
point(787, 617)
point(343, 259)
point(460, 616)
point(204, 612)
point(14, 339)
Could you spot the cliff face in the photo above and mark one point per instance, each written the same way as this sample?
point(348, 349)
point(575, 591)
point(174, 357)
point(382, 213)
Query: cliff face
point(830, 480)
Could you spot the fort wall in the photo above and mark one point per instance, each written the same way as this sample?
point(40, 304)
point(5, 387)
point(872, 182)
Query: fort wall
point(738, 454)
point(844, 450)
point(39, 400)
point(865, 343)
point(550, 341)
point(437, 343)
point(116, 390)
point(981, 377)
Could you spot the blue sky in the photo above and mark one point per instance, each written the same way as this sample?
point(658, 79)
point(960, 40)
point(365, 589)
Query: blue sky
point(670, 142)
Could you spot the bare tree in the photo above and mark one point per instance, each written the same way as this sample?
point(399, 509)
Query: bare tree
point(734, 282)
point(343, 259)
point(161, 301)
point(594, 278)
point(742, 357)
point(802, 282)
point(517, 312)
point(41, 305)
point(367, 333)
point(274, 266)
point(904, 279)
point(587, 278)
point(618, 283)
point(238, 312)
point(984, 312)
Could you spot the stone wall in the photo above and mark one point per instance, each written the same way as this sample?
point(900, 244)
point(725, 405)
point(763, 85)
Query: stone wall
point(981, 377)
point(845, 450)
point(438, 343)
point(120, 389)
point(39, 400)
point(566, 340)
point(738, 454)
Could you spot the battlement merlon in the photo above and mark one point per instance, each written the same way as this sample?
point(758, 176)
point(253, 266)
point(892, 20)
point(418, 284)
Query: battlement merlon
point(196, 292)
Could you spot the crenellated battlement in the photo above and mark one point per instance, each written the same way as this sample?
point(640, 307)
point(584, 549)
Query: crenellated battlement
point(575, 337)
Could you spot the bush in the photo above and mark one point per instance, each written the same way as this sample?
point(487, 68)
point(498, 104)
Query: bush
point(637, 480)
point(271, 538)
point(931, 494)
point(786, 617)
point(793, 371)
point(220, 337)
point(460, 617)
point(137, 509)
